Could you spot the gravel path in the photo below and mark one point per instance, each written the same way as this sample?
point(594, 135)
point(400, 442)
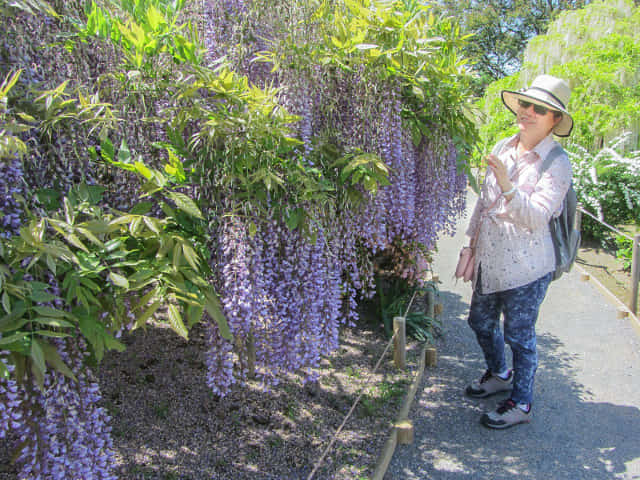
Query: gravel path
point(587, 409)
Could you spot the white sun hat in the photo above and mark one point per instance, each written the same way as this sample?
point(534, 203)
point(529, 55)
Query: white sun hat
point(548, 91)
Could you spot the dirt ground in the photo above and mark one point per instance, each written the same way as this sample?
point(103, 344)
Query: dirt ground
point(167, 425)
point(602, 264)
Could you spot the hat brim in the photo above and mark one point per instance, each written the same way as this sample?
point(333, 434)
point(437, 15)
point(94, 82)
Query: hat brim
point(563, 127)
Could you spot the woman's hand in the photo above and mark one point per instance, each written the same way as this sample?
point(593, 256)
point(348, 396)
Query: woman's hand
point(499, 170)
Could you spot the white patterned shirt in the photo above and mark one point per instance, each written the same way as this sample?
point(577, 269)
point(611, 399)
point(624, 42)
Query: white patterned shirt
point(514, 245)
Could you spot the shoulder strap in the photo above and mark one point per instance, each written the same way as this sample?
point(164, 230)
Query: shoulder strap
point(551, 156)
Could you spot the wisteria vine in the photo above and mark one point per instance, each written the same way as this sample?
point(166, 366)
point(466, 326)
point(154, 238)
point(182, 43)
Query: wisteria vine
point(270, 282)
point(285, 290)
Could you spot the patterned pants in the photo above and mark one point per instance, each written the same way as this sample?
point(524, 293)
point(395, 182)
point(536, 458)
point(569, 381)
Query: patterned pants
point(520, 306)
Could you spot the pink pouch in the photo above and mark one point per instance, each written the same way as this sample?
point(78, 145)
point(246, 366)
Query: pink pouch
point(465, 266)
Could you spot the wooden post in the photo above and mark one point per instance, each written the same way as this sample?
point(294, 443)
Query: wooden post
point(405, 432)
point(399, 343)
point(431, 303)
point(578, 219)
point(635, 274)
point(431, 357)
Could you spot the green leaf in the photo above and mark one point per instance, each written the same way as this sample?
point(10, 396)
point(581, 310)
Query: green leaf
point(112, 343)
point(49, 198)
point(212, 305)
point(106, 150)
point(124, 155)
point(53, 322)
point(194, 314)
point(37, 356)
point(50, 312)
point(191, 256)
point(94, 332)
point(142, 319)
point(40, 296)
point(141, 208)
point(14, 320)
point(51, 334)
point(6, 302)
point(75, 241)
point(118, 280)
point(52, 357)
point(175, 319)
point(186, 204)
point(15, 338)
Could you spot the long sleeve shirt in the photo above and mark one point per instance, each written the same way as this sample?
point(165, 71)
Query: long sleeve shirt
point(514, 245)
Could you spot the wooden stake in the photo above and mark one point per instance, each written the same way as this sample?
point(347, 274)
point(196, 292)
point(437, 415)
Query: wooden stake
point(635, 275)
point(405, 432)
point(431, 303)
point(585, 277)
point(622, 312)
point(399, 343)
point(439, 308)
point(431, 357)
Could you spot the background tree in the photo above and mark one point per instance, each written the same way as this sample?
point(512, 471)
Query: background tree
point(501, 30)
point(596, 50)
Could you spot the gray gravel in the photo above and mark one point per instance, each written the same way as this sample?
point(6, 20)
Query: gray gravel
point(586, 421)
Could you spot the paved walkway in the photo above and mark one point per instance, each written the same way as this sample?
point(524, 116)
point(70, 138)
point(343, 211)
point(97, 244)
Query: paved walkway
point(586, 421)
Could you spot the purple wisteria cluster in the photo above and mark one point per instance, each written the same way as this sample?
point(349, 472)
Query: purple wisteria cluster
point(282, 293)
point(63, 431)
point(282, 297)
point(11, 184)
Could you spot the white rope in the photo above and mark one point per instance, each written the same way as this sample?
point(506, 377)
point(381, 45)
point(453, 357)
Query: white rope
point(606, 224)
point(335, 435)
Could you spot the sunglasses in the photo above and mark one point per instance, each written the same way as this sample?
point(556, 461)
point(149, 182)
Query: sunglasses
point(539, 109)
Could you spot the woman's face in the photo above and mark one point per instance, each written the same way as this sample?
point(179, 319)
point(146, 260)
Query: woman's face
point(535, 124)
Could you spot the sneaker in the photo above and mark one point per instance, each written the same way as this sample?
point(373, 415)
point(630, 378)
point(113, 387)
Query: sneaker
point(506, 415)
point(489, 384)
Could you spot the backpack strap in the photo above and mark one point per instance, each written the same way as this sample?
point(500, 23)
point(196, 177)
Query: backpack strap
point(551, 156)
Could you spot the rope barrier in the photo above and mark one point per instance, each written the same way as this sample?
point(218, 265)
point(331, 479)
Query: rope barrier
point(605, 224)
point(353, 407)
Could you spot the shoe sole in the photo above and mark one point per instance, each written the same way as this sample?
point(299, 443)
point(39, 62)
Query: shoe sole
point(486, 422)
point(485, 394)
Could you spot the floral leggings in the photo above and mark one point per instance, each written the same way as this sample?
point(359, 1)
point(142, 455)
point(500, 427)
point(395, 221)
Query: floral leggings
point(520, 306)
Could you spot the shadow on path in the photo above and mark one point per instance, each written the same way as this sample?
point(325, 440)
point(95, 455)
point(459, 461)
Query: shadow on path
point(571, 436)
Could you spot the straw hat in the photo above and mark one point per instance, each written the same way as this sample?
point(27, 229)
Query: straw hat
point(549, 92)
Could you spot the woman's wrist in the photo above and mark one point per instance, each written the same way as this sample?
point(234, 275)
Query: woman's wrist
point(511, 191)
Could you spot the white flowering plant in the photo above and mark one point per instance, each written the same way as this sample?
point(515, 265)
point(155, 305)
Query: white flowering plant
point(607, 183)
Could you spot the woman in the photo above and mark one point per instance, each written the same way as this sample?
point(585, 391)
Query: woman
point(514, 255)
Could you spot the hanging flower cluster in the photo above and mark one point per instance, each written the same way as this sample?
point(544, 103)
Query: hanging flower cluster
point(64, 432)
point(271, 282)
